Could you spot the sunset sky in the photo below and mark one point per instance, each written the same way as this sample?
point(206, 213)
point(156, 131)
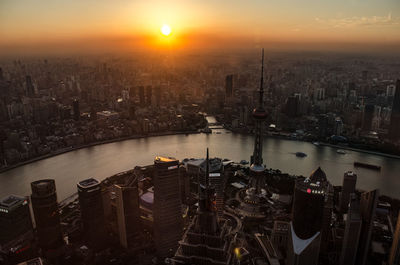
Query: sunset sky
point(29, 25)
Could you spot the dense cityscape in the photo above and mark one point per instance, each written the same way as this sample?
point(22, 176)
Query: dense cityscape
point(52, 106)
point(199, 132)
point(195, 211)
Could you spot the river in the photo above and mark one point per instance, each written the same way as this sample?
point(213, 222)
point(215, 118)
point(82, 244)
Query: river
point(104, 160)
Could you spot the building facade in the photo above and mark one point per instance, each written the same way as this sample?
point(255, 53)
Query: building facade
point(47, 217)
point(167, 206)
point(92, 211)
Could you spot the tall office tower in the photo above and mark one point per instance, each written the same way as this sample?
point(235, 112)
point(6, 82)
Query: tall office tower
point(128, 216)
point(292, 106)
point(257, 170)
point(327, 218)
point(307, 219)
point(368, 204)
point(394, 131)
point(158, 95)
point(228, 86)
point(92, 212)
point(323, 121)
point(216, 180)
point(207, 239)
point(15, 218)
point(184, 183)
point(47, 217)
point(394, 258)
point(141, 96)
point(167, 206)
point(149, 95)
point(75, 107)
point(30, 91)
point(280, 234)
point(348, 187)
point(368, 115)
point(351, 232)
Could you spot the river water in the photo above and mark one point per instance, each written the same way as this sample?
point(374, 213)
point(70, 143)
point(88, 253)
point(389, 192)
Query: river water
point(102, 161)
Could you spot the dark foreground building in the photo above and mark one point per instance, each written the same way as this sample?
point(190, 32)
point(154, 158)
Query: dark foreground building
point(167, 207)
point(92, 212)
point(207, 239)
point(15, 218)
point(305, 228)
point(47, 217)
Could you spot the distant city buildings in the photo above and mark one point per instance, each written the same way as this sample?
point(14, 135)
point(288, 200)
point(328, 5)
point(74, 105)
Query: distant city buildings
point(394, 130)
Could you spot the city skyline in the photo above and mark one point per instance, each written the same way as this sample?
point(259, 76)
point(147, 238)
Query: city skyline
point(199, 132)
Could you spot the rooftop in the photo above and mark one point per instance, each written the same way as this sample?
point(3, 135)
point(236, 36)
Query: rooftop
point(164, 159)
point(87, 183)
point(10, 201)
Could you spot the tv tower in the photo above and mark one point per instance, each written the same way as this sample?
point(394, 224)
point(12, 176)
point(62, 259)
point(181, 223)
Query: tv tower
point(257, 168)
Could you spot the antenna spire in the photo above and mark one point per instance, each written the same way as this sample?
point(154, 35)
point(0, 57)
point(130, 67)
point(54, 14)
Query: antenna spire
point(262, 80)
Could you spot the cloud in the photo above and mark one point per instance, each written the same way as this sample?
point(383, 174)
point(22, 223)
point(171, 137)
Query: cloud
point(353, 22)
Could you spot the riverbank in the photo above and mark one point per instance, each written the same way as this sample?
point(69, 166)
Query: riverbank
point(281, 136)
point(74, 148)
point(360, 150)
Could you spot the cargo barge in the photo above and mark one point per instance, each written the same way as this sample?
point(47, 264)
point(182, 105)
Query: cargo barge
point(369, 166)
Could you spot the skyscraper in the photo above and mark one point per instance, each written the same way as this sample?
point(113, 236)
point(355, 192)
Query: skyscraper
point(30, 91)
point(92, 212)
point(207, 239)
point(351, 233)
point(368, 115)
point(394, 131)
point(47, 217)
point(77, 112)
point(149, 95)
point(216, 181)
point(15, 218)
point(228, 86)
point(368, 204)
point(348, 187)
point(141, 96)
point(394, 258)
point(307, 219)
point(257, 170)
point(167, 206)
point(128, 217)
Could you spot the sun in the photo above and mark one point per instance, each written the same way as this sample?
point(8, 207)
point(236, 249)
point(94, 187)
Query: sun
point(166, 30)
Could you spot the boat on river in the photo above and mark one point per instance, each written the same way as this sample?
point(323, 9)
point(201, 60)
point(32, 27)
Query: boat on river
point(341, 151)
point(365, 165)
point(301, 154)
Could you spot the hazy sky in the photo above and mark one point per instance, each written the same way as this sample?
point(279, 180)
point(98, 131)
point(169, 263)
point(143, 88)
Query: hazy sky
point(28, 25)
